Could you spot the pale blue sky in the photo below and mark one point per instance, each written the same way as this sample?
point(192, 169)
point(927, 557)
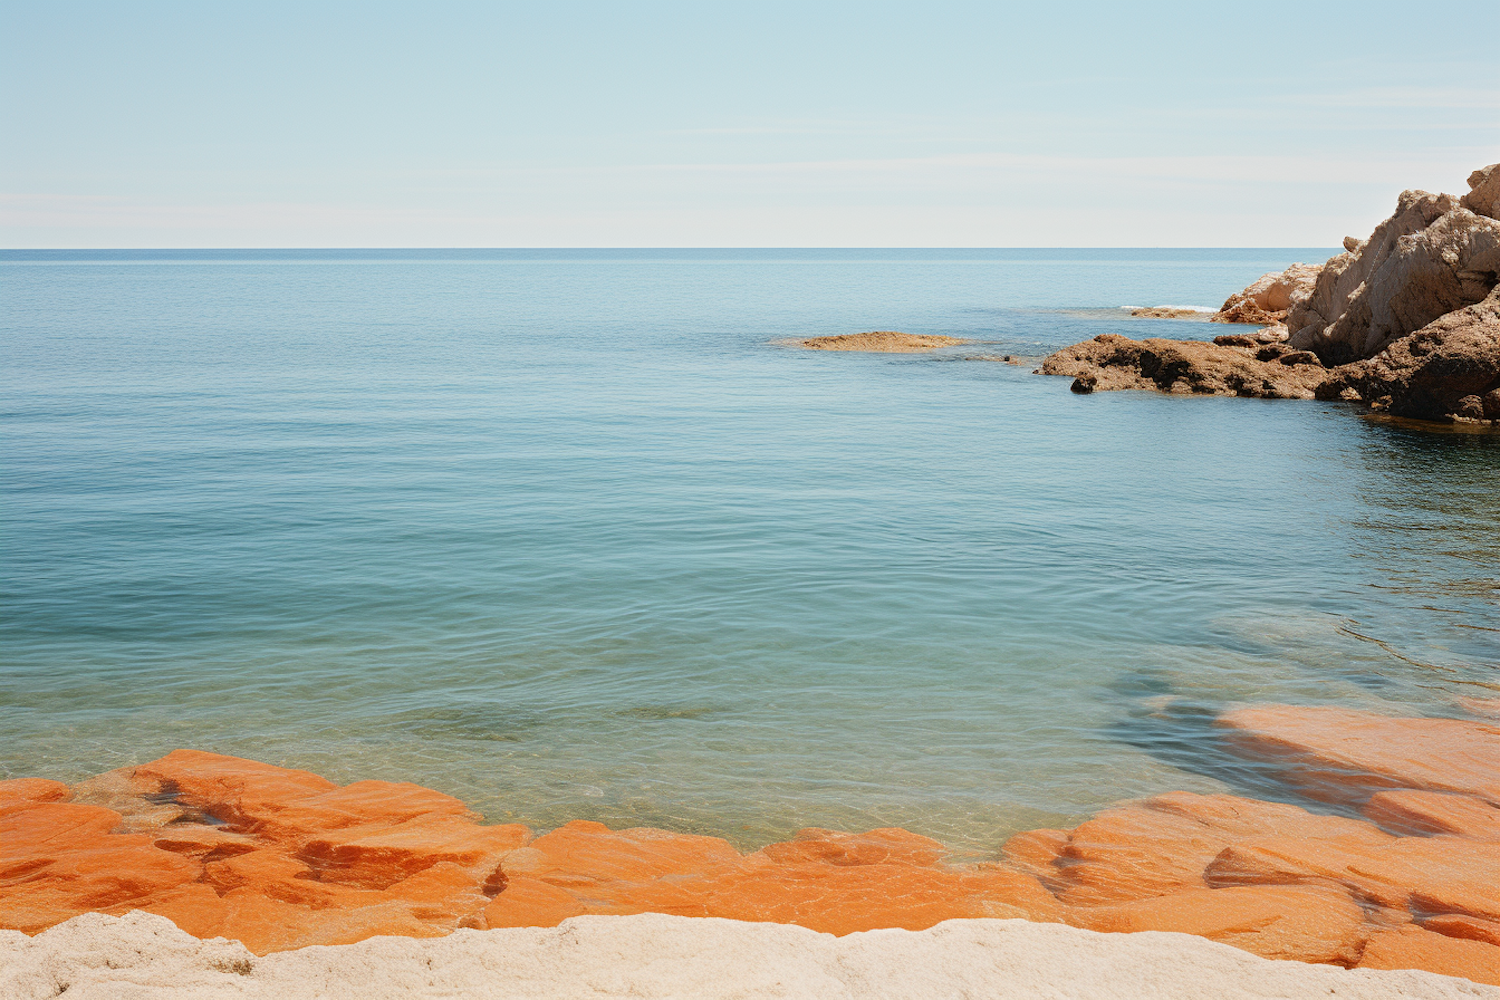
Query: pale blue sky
point(758, 124)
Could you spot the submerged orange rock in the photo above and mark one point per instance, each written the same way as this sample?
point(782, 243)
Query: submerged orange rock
point(280, 859)
point(1340, 754)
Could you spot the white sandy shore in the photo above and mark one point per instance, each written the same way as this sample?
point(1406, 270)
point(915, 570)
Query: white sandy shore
point(93, 957)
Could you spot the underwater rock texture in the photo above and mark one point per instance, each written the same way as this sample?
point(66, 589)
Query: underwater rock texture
point(278, 858)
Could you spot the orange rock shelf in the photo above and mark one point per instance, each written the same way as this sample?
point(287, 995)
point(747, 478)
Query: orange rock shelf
point(280, 858)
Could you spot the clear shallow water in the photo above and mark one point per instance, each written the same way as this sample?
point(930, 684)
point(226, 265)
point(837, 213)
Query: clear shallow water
point(566, 534)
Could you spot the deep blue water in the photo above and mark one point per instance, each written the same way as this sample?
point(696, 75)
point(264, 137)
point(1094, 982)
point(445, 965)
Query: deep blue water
point(570, 534)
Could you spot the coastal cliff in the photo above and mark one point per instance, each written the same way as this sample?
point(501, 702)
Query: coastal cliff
point(1406, 322)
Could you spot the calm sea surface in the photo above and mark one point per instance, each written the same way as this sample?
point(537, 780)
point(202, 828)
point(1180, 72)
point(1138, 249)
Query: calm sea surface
point(568, 534)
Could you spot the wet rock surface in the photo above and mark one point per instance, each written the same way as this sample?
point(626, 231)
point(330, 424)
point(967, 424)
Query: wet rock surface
point(279, 858)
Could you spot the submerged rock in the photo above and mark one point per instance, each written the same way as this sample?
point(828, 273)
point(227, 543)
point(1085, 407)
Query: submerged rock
point(1168, 312)
point(1339, 754)
point(881, 341)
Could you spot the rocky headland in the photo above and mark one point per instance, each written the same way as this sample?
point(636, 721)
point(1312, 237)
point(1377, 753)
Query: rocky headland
point(1406, 322)
point(1399, 872)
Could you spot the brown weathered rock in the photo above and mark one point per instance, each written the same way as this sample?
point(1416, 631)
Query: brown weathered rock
point(1273, 334)
point(1409, 321)
point(1448, 369)
point(1270, 297)
point(1430, 257)
point(1110, 361)
point(1484, 192)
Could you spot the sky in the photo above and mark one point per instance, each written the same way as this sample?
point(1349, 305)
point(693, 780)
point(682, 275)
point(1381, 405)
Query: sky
point(449, 124)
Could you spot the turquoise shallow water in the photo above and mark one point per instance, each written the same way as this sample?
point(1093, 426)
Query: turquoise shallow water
point(568, 534)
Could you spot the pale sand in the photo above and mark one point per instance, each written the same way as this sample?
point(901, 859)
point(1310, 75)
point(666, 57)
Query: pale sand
point(94, 957)
point(881, 341)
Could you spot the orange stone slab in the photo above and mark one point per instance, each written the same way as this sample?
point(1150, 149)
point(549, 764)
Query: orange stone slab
point(229, 788)
point(1422, 874)
point(1410, 810)
point(584, 854)
point(1412, 947)
point(529, 902)
point(1303, 923)
point(888, 845)
point(1341, 754)
point(281, 859)
point(1036, 850)
point(377, 855)
point(844, 899)
point(1461, 925)
point(58, 860)
point(266, 925)
point(17, 794)
point(203, 843)
point(1163, 844)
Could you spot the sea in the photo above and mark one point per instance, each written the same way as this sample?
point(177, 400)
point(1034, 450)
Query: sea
point(582, 534)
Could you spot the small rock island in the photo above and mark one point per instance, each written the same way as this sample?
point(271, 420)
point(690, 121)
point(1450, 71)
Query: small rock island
point(881, 341)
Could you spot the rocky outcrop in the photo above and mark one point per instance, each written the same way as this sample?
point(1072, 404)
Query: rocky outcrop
point(1189, 367)
point(1271, 297)
point(1484, 192)
point(1407, 322)
point(880, 341)
point(280, 859)
point(1448, 370)
point(1432, 256)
